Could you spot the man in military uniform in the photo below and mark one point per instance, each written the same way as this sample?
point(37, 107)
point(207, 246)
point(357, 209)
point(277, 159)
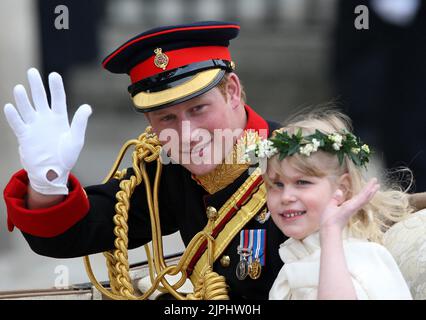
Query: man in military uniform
point(181, 75)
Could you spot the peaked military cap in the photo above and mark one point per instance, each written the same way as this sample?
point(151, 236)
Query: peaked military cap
point(172, 64)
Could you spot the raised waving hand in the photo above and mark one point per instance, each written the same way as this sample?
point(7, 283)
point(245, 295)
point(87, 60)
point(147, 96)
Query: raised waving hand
point(49, 145)
point(338, 212)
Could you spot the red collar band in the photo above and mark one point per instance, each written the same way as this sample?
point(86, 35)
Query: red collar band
point(256, 122)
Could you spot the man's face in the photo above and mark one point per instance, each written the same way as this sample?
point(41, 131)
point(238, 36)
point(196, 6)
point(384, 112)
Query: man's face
point(192, 132)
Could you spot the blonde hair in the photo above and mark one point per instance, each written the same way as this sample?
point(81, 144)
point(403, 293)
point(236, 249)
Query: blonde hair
point(389, 205)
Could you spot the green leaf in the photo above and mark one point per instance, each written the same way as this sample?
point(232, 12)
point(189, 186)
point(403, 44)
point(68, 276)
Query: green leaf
point(293, 149)
point(340, 156)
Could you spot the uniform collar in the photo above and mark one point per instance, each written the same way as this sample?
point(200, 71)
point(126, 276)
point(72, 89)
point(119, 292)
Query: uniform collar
point(256, 122)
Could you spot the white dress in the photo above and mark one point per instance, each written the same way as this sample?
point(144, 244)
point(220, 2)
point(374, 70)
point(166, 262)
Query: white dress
point(374, 272)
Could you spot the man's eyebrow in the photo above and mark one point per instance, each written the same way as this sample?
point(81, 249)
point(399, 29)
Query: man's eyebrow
point(160, 112)
point(199, 100)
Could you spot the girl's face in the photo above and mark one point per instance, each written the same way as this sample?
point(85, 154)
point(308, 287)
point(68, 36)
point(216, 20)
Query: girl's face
point(296, 200)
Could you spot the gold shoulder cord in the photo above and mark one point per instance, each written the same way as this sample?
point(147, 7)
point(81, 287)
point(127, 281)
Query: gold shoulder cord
point(210, 287)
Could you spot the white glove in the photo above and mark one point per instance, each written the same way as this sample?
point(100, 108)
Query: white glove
point(46, 140)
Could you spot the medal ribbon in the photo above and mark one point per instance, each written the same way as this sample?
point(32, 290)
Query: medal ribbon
point(259, 250)
point(254, 241)
point(246, 245)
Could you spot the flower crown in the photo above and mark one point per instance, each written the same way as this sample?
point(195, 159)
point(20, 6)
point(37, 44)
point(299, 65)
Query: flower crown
point(340, 144)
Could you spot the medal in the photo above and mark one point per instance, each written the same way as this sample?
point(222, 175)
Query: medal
point(252, 255)
point(242, 269)
point(255, 269)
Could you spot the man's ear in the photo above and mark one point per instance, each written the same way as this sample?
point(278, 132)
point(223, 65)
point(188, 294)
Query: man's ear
point(233, 90)
point(146, 115)
point(344, 183)
point(148, 118)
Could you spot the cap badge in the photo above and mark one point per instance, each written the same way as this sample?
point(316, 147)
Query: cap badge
point(161, 60)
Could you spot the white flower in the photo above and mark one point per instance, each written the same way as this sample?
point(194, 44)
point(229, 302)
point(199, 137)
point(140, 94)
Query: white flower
point(315, 144)
point(246, 158)
point(355, 150)
point(249, 152)
point(336, 146)
point(251, 148)
point(266, 149)
point(365, 148)
point(337, 139)
point(271, 152)
point(307, 149)
point(260, 149)
point(310, 147)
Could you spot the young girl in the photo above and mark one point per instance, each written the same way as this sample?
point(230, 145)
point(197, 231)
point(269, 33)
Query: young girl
point(334, 219)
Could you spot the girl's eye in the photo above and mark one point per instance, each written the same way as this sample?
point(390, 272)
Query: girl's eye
point(303, 182)
point(278, 184)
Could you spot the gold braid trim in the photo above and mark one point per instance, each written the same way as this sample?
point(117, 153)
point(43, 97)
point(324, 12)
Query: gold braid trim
point(210, 287)
point(109, 255)
point(221, 177)
point(112, 274)
point(147, 148)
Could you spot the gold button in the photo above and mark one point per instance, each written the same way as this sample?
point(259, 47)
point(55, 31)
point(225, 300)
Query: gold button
point(211, 213)
point(225, 261)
